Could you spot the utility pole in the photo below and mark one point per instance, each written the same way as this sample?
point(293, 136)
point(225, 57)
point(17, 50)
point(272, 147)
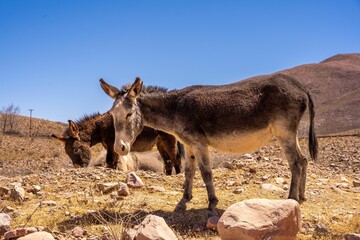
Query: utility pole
point(31, 110)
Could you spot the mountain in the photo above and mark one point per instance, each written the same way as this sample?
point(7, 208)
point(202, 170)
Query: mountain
point(335, 87)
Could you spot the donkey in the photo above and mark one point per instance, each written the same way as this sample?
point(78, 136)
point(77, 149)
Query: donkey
point(238, 117)
point(96, 128)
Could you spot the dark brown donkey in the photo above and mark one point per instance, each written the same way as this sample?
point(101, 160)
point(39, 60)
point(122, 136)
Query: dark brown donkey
point(238, 117)
point(90, 130)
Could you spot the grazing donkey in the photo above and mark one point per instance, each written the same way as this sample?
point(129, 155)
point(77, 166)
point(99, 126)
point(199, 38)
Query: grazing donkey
point(90, 130)
point(238, 117)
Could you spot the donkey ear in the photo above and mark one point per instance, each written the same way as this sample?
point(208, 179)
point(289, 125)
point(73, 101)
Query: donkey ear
point(73, 129)
point(136, 88)
point(58, 137)
point(111, 91)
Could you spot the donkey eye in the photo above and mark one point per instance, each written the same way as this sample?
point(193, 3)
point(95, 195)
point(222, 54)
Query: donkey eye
point(76, 151)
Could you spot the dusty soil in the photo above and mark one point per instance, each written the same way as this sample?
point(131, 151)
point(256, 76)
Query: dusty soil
point(332, 198)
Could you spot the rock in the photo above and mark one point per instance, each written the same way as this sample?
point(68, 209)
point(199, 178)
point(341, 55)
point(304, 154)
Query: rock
point(107, 187)
point(228, 165)
point(356, 183)
point(271, 187)
point(248, 156)
point(8, 209)
point(123, 190)
point(4, 191)
point(154, 227)
point(77, 232)
point(48, 203)
point(38, 236)
point(352, 236)
point(4, 223)
point(280, 180)
point(134, 181)
point(129, 234)
point(321, 229)
point(212, 223)
point(260, 219)
point(17, 193)
point(19, 232)
point(238, 190)
point(157, 189)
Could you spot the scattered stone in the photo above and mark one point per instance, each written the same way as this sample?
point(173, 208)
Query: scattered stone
point(212, 223)
point(129, 234)
point(4, 223)
point(4, 191)
point(107, 187)
point(77, 232)
point(19, 232)
point(352, 236)
point(17, 193)
point(321, 229)
point(154, 227)
point(248, 156)
point(8, 209)
point(254, 219)
point(356, 183)
point(238, 190)
point(228, 165)
point(48, 203)
point(264, 178)
point(38, 236)
point(271, 187)
point(123, 190)
point(280, 180)
point(157, 189)
point(134, 181)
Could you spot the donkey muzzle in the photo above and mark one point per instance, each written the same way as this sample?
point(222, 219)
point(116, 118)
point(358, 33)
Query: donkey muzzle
point(122, 148)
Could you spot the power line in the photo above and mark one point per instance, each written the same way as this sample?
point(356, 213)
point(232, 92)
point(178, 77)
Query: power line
point(31, 110)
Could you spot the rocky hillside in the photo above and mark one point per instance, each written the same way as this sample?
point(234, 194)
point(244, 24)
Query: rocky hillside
point(335, 86)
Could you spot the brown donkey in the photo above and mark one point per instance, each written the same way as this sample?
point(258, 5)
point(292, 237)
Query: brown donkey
point(99, 128)
point(238, 117)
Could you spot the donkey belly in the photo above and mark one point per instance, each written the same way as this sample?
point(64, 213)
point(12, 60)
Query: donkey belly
point(240, 142)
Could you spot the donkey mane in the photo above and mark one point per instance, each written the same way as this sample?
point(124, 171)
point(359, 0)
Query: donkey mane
point(147, 89)
point(87, 117)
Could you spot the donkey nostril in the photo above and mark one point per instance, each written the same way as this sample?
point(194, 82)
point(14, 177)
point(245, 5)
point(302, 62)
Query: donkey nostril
point(123, 148)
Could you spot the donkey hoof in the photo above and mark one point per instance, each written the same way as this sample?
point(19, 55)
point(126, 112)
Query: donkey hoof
point(302, 199)
point(211, 213)
point(181, 206)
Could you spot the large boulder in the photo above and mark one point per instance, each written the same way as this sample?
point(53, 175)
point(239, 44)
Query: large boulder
point(154, 228)
point(260, 219)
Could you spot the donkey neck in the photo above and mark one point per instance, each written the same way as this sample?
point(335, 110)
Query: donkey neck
point(157, 110)
point(91, 128)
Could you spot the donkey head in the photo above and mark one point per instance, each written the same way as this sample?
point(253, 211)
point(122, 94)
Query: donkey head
point(78, 151)
point(125, 111)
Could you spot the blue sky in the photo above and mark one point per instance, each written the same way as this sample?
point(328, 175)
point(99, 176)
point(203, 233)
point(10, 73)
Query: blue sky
point(52, 53)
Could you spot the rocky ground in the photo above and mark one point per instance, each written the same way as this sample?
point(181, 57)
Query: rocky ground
point(61, 198)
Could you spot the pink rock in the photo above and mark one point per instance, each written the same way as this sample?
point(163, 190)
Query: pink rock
point(154, 227)
point(77, 231)
point(260, 219)
point(212, 223)
point(134, 181)
point(38, 236)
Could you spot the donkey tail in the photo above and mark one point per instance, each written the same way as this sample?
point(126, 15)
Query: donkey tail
point(313, 143)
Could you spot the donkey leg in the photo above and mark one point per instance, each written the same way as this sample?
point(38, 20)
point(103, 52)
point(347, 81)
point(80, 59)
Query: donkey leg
point(206, 174)
point(189, 177)
point(303, 174)
point(297, 167)
point(165, 155)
